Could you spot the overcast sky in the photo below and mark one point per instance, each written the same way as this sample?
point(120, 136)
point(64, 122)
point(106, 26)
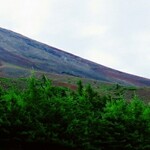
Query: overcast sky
point(114, 33)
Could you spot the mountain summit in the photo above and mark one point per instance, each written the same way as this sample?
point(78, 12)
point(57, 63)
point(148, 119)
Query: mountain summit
point(20, 54)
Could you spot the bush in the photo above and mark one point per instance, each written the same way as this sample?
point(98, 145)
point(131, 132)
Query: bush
point(47, 114)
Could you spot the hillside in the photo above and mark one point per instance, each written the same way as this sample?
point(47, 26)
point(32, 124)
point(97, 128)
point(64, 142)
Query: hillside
point(19, 55)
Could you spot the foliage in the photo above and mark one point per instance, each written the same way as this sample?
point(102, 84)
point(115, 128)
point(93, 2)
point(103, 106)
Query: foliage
point(82, 120)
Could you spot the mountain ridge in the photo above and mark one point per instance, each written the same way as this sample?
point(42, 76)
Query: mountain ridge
point(30, 54)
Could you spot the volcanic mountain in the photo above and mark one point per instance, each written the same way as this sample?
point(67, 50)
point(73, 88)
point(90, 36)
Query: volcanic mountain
point(19, 55)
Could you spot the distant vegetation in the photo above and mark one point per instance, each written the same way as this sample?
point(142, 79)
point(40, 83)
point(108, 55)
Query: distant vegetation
point(44, 114)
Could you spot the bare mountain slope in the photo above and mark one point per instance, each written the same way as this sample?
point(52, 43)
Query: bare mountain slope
point(19, 54)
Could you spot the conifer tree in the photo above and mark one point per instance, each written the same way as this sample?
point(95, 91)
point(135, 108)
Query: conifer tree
point(80, 88)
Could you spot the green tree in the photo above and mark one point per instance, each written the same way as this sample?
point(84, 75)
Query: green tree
point(80, 88)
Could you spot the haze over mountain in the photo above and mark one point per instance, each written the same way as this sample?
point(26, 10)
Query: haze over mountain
point(20, 54)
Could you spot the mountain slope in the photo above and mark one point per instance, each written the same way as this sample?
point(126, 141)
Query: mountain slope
point(19, 54)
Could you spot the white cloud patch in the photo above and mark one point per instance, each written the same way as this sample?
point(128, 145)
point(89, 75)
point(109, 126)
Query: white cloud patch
point(24, 16)
point(94, 30)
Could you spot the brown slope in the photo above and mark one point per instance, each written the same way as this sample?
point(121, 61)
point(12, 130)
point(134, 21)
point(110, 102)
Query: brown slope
point(21, 51)
point(1, 67)
point(15, 59)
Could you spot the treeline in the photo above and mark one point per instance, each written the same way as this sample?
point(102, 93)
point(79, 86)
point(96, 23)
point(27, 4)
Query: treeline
point(82, 119)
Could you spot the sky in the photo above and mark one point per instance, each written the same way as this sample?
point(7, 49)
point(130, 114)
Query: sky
point(113, 33)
